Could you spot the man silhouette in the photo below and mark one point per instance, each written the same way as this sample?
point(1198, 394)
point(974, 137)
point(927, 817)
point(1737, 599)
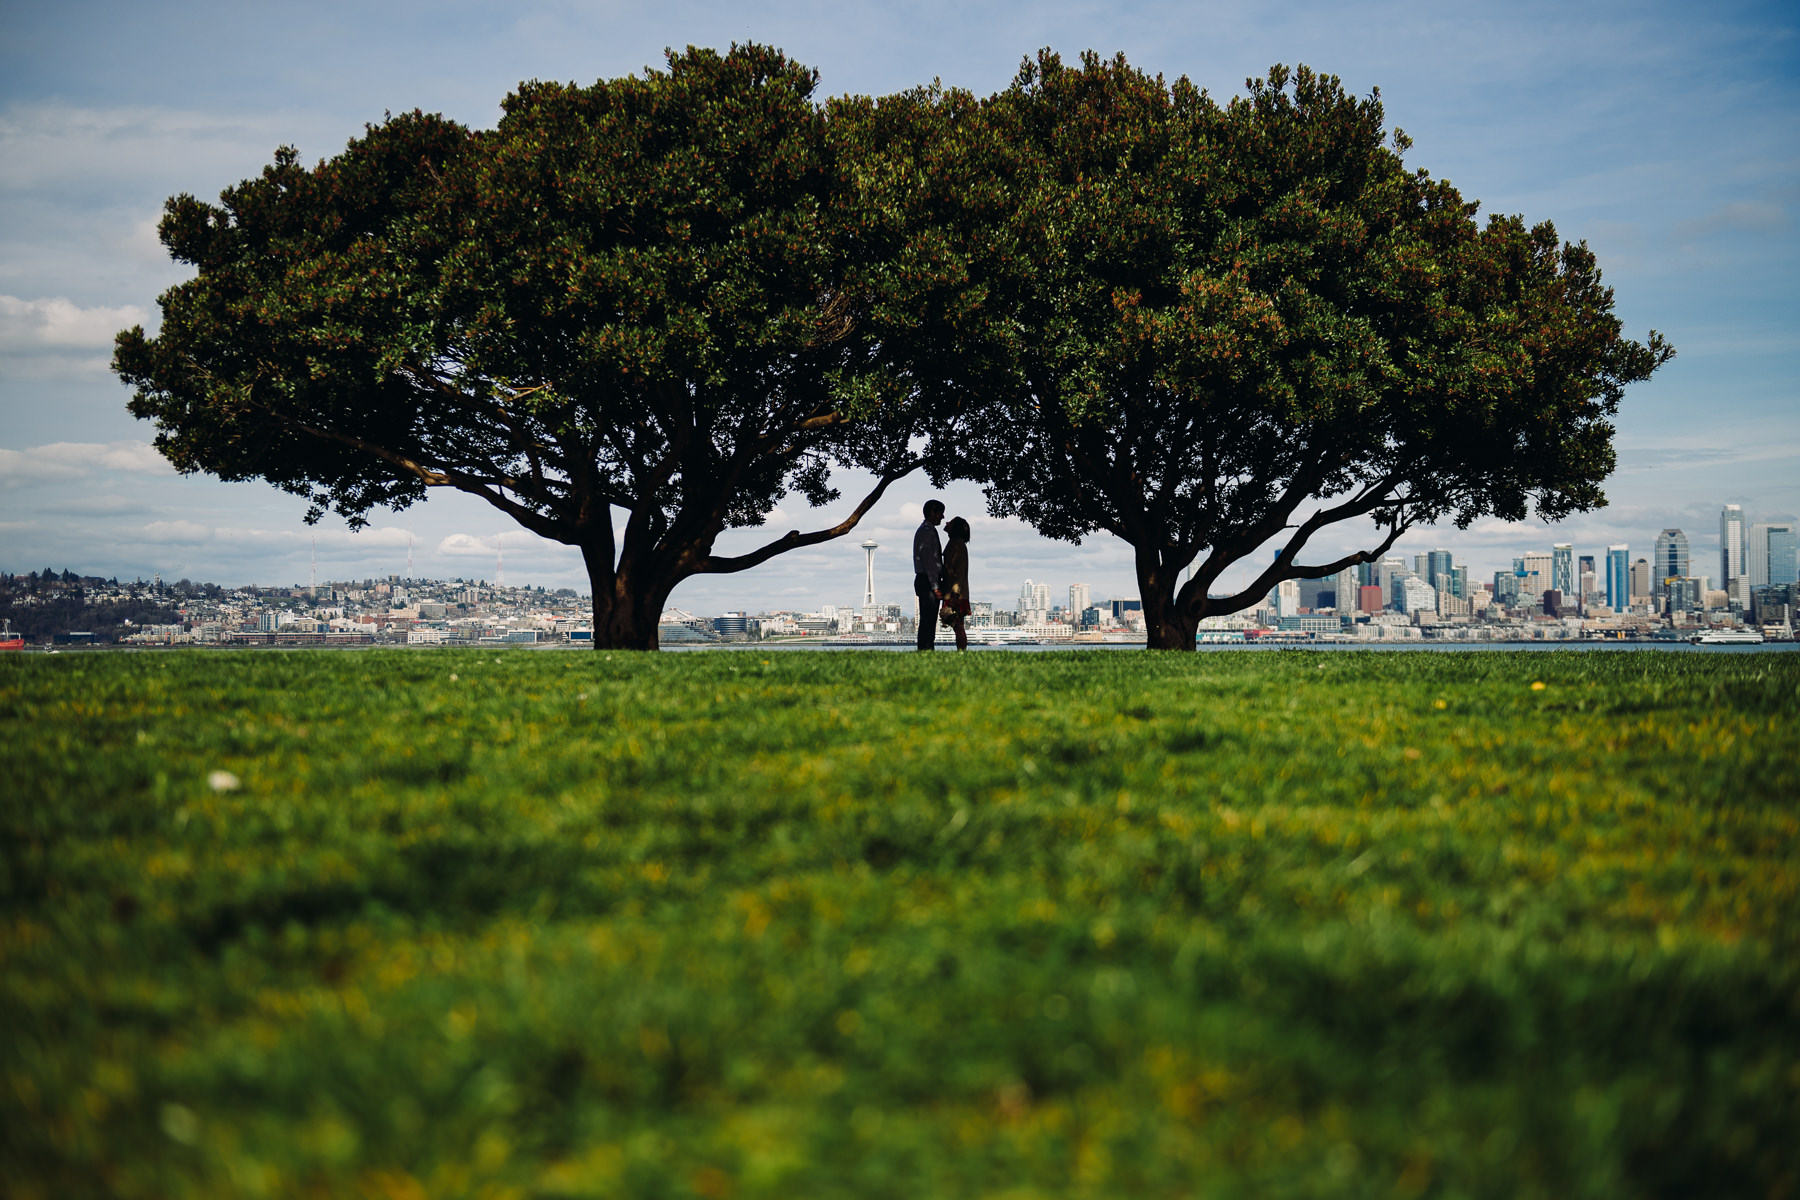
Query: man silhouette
point(928, 573)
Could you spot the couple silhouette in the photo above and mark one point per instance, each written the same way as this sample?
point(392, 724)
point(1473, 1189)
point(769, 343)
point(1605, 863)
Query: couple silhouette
point(941, 577)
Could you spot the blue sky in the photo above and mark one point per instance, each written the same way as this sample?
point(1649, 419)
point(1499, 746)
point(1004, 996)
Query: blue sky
point(1666, 135)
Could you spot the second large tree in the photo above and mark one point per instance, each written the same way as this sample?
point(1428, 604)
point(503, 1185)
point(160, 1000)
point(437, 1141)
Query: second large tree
point(1236, 326)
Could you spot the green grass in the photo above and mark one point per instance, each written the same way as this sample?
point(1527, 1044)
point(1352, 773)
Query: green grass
point(865, 925)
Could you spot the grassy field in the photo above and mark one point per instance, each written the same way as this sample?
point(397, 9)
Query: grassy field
point(742, 924)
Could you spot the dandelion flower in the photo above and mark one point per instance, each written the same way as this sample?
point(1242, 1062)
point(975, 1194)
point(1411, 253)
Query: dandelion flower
point(223, 781)
point(1538, 685)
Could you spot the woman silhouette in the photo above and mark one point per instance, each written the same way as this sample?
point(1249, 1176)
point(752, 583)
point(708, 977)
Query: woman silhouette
point(956, 580)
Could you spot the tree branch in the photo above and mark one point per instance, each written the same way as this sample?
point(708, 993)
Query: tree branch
point(793, 539)
point(530, 518)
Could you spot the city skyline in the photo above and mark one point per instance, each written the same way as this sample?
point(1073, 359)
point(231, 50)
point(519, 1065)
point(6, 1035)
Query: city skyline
point(1556, 562)
point(1667, 152)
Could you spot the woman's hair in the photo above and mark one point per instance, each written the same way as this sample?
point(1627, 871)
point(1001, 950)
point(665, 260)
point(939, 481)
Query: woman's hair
point(958, 529)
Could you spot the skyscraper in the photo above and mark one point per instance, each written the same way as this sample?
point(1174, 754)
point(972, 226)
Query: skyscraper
point(1437, 570)
point(1618, 577)
point(1385, 572)
point(1640, 579)
point(1671, 558)
point(1345, 586)
point(1562, 568)
point(1533, 570)
point(1733, 576)
point(1784, 555)
point(1769, 557)
point(1080, 597)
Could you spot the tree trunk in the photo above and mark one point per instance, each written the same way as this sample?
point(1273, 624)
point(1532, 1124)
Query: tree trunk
point(1166, 627)
point(625, 616)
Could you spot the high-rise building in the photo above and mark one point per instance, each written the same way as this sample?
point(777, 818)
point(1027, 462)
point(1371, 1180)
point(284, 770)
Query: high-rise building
point(1640, 579)
point(1671, 558)
point(1034, 598)
point(1414, 595)
point(1286, 598)
point(1562, 568)
point(1769, 558)
point(1386, 571)
point(1080, 598)
point(1459, 581)
point(1345, 590)
point(1437, 569)
point(1533, 571)
point(1733, 575)
point(1618, 577)
point(1784, 555)
point(1421, 565)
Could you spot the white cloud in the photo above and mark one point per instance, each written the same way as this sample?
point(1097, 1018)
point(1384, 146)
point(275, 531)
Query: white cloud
point(515, 540)
point(62, 462)
point(58, 325)
point(59, 146)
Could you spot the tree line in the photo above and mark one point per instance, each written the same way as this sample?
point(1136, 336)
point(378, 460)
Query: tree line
point(1114, 302)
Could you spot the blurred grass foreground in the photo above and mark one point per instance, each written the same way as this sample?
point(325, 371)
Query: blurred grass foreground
point(747, 924)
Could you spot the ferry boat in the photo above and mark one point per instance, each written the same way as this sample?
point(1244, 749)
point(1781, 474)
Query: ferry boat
point(10, 640)
point(1729, 637)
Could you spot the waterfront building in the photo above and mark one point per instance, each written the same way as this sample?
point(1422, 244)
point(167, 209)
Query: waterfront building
point(1310, 623)
point(1671, 557)
point(1618, 578)
point(1562, 568)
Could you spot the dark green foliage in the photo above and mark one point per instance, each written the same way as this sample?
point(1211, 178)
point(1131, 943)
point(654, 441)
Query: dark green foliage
point(1235, 326)
point(754, 923)
point(681, 295)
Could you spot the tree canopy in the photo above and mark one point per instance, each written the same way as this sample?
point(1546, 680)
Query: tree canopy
point(681, 295)
point(1240, 324)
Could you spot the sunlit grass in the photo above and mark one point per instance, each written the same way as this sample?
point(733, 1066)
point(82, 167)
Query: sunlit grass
point(456, 923)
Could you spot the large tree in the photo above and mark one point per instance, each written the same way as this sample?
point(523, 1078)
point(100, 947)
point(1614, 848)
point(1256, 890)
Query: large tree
point(680, 296)
point(1237, 326)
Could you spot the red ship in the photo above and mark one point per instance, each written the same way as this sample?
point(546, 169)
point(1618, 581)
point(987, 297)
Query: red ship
point(10, 640)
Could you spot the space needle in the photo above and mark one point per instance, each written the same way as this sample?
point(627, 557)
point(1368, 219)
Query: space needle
point(869, 548)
